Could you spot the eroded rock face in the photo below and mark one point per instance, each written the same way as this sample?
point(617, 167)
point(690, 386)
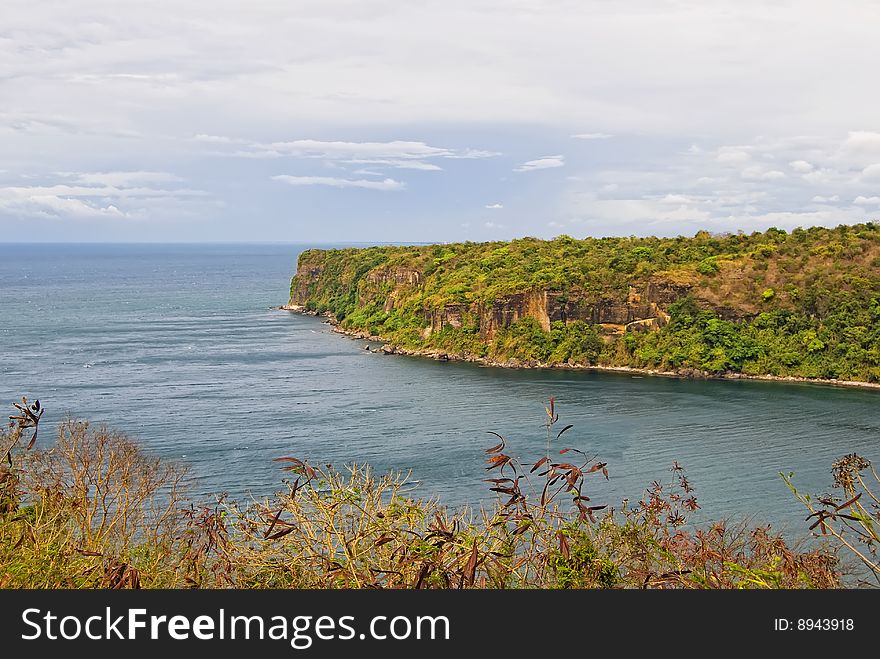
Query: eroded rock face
point(388, 283)
point(509, 310)
point(307, 276)
point(643, 307)
point(452, 315)
point(396, 275)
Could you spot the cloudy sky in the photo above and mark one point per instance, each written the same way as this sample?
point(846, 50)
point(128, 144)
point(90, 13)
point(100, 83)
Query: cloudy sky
point(374, 120)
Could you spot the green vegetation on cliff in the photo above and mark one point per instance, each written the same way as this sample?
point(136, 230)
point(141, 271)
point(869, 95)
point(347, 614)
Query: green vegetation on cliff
point(804, 303)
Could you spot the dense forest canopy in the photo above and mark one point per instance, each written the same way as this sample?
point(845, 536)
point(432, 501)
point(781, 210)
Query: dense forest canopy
point(801, 303)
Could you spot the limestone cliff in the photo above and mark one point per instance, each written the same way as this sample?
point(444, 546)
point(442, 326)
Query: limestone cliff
point(802, 304)
point(642, 307)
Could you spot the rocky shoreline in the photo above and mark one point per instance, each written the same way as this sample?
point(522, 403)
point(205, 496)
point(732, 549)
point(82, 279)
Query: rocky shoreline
point(440, 355)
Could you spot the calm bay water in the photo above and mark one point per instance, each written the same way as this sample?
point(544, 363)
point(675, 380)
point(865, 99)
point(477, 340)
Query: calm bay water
point(178, 346)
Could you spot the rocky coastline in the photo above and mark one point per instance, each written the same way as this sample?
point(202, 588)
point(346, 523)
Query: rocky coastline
point(388, 348)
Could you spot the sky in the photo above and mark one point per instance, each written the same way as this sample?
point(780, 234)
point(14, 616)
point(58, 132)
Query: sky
point(426, 121)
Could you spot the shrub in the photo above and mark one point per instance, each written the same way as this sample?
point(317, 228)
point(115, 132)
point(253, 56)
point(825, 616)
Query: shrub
point(96, 512)
point(93, 511)
point(708, 266)
point(852, 518)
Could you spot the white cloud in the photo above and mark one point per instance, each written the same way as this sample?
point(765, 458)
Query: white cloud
point(801, 166)
point(126, 178)
point(759, 173)
point(396, 149)
point(339, 62)
point(627, 216)
point(495, 206)
point(871, 172)
point(682, 191)
point(217, 139)
point(380, 93)
point(544, 162)
point(676, 199)
point(98, 191)
point(592, 136)
point(493, 225)
point(101, 195)
point(649, 213)
point(472, 154)
point(398, 164)
point(55, 206)
point(397, 153)
point(386, 184)
point(732, 155)
point(822, 175)
point(862, 141)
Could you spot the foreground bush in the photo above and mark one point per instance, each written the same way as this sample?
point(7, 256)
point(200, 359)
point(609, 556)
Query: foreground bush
point(853, 518)
point(93, 511)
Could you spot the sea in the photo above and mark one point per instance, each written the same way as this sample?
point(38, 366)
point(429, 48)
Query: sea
point(183, 348)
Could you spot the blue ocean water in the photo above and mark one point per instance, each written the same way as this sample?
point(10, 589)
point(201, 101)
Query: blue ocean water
point(178, 346)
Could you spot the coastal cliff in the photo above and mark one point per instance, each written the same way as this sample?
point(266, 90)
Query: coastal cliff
point(799, 304)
